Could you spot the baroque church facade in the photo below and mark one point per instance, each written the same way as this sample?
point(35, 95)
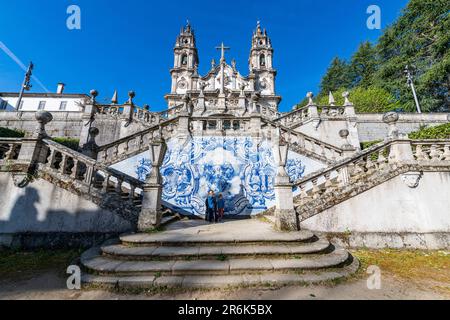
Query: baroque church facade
point(224, 90)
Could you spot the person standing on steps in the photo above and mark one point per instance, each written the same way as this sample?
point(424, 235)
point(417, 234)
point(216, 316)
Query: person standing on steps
point(211, 207)
point(220, 207)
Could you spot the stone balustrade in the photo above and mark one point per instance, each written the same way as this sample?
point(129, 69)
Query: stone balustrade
point(134, 144)
point(87, 171)
point(110, 109)
point(376, 160)
point(220, 124)
point(303, 143)
point(431, 150)
point(301, 115)
point(9, 149)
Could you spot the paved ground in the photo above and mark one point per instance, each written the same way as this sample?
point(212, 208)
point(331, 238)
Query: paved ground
point(50, 285)
point(51, 282)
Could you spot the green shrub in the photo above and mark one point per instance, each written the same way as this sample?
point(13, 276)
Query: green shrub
point(11, 133)
point(438, 132)
point(367, 145)
point(68, 142)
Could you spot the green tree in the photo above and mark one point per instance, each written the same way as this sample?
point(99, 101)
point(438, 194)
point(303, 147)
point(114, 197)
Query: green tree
point(336, 77)
point(366, 100)
point(363, 65)
point(420, 37)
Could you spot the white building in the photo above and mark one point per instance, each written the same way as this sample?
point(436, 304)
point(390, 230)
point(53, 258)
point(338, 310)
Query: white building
point(53, 102)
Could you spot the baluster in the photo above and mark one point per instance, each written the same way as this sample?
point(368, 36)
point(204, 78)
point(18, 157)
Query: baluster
point(89, 174)
point(51, 158)
point(8, 154)
point(328, 183)
point(63, 165)
point(119, 186)
point(74, 173)
point(446, 155)
point(343, 176)
point(131, 194)
point(435, 153)
point(370, 165)
point(315, 189)
point(303, 194)
point(115, 151)
point(381, 158)
point(420, 154)
point(105, 183)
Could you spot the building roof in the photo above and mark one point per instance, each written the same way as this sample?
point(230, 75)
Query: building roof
point(43, 95)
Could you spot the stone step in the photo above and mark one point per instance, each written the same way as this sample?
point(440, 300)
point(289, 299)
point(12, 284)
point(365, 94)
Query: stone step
point(93, 261)
point(222, 281)
point(176, 238)
point(183, 252)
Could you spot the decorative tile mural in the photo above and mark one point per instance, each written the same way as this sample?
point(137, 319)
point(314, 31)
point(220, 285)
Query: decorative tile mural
point(242, 171)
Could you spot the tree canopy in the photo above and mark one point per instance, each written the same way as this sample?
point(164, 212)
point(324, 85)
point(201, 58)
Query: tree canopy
point(375, 75)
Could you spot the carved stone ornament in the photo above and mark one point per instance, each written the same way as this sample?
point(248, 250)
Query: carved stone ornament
point(412, 179)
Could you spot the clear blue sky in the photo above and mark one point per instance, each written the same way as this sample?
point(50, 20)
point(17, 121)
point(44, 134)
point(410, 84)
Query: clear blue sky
point(128, 44)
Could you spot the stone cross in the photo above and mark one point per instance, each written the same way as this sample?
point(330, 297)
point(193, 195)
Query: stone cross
point(222, 48)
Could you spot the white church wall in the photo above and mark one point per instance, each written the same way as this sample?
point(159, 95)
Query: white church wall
point(393, 214)
point(236, 167)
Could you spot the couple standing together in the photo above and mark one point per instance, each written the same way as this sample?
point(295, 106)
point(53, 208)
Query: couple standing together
point(215, 207)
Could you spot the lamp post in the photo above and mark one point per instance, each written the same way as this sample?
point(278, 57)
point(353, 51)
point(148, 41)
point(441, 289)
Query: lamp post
point(25, 85)
point(410, 80)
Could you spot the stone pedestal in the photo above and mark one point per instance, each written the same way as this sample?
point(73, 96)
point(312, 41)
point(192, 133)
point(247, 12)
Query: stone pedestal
point(401, 151)
point(151, 214)
point(285, 214)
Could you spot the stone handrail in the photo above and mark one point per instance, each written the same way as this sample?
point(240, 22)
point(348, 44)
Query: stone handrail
point(85, 170)
point(301, 115)
point(10, 148)
point(134, 144)
point(369, 161)
point(311, 146)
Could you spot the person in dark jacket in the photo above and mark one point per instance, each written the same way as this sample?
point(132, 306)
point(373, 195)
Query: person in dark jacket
point(220, 207)
point(211, 207)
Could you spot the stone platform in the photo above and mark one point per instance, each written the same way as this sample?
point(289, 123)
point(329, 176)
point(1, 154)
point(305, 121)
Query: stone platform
point(192, 253)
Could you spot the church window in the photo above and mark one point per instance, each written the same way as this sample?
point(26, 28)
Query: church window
point(63, 106)
point(3, 104)
point(41, 105)
point(262, 60)
point(226, 125)
point(184, 60)
point(212, 125)
point(236, 125)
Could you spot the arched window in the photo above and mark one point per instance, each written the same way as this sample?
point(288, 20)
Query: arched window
point(262, 60)
point(184, 60)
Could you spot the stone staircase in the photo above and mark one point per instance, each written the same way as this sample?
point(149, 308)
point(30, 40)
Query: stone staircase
point(368, 169)
point(232, 254)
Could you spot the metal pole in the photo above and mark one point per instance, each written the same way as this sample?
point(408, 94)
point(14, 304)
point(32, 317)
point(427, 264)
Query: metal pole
point(25, 85)
point(410, 79)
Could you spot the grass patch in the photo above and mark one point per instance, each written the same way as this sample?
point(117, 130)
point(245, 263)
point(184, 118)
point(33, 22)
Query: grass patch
point(15, 264)
point(68, 142)
point(155, 230)
point(410, 265)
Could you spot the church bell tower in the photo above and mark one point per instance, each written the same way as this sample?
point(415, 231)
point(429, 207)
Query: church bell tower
point(260, 62)
point(184, 72)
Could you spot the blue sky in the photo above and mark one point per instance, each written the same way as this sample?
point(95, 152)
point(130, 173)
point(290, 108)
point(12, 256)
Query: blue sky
point(127, 45)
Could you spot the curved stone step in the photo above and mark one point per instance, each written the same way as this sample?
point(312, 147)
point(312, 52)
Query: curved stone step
point(174, 238)
point(183, 252)
point(93, 261)
point(223, 281)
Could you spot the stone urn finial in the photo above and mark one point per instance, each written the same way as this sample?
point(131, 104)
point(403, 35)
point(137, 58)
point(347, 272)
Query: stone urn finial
point(310, 97)
point(94, 94)
point(43, 118)
point(391, 119)
point(131, 95)
point(346, 96)
point(344, 134)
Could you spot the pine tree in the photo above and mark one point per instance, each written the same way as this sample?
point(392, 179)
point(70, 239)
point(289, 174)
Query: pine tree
point(420, 37)
point(336, 77)
point(363, 65)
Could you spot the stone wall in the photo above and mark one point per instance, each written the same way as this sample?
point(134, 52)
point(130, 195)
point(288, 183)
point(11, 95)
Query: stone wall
point(393, 215)
point(44, 214)
point(372, 128)
point(64, 124)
